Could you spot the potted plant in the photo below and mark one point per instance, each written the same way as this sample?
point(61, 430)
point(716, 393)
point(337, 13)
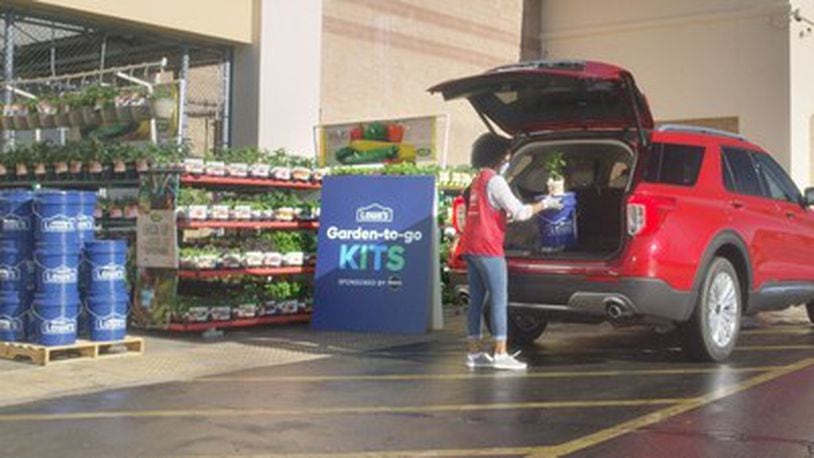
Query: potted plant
point(20, 157)
point(162, 102)
point(73, 155)
point(279, 162)
point(95, 155)
point(103, 100)
point(7, 118)
point(555, 166)
point(19, 111)
point(87, 106)
point(31, 110)
point(47, 108)
point(40, 159)
point(118, 156)
point(137, 103)
point(141, 160)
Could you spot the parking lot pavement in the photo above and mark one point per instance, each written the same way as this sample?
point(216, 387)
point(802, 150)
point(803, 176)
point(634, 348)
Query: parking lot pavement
point(590, 391)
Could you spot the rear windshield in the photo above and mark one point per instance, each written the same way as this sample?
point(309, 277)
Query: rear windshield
point(674, 164)
point(553, 100)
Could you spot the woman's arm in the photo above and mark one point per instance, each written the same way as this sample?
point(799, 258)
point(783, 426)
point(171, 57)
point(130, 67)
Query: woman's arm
point(501, 197)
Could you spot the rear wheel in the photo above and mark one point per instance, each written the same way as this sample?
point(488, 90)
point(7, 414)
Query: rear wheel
point(712, 331)
point(524, 327)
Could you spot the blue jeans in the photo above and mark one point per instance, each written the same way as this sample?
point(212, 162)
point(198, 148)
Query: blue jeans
point(487, 279)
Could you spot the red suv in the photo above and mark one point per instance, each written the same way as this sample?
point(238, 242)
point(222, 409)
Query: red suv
point(676, 226)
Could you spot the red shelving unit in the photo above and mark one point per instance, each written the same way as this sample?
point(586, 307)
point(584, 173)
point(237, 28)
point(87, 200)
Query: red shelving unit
point(259, 271)
point(276, 225)
point(240, 323)
point(208, 180)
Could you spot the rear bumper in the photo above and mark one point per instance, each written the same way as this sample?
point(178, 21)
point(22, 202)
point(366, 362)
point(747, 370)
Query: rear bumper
point(578, 297)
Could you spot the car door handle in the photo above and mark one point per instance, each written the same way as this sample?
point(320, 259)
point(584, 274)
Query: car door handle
point(736, 204)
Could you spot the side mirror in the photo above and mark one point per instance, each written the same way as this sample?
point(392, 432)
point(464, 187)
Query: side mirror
point(808, 198)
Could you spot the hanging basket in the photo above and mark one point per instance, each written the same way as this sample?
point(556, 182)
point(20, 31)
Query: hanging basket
point(47, 121)
point(90, 116)
point(34, 121)
point(124, 114)
point(8, 122)
point(21, 122)
point(163, 108)
point(109, 115)
point(140, 112)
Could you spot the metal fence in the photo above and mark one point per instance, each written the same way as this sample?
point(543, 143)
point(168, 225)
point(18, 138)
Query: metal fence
point(39, 46)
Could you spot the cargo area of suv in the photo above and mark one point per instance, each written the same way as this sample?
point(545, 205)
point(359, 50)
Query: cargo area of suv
point(598, 173)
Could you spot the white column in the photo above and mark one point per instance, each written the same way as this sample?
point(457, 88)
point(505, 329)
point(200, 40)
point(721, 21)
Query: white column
point(801, 36)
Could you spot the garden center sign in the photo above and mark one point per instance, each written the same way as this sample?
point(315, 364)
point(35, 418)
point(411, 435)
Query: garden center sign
point(376, 257)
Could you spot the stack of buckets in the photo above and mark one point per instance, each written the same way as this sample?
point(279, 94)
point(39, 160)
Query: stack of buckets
point(16, 268)
point(70, 269)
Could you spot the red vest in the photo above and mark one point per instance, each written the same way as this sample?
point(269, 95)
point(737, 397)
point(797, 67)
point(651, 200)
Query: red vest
point(485, 227)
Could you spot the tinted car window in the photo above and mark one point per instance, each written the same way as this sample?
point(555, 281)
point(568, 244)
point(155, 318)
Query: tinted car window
point(743, 178)
point(674, 164)
point(778, 183)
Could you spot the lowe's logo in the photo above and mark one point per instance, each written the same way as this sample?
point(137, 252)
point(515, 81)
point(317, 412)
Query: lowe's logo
point(59, 223)
point(59, 275)
point(84, 223)
point(15, 223)
point(111, 323)
point(9, 273)
point(59, 326)
point(110, 272)
point(10, 324)
point(374, 213)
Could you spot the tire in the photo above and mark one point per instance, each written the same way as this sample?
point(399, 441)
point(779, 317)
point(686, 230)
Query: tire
point(810, 310)
point(524, 327)
point(712, 331)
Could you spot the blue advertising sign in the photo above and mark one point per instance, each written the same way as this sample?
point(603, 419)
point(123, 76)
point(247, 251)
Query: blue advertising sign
point(375, 254)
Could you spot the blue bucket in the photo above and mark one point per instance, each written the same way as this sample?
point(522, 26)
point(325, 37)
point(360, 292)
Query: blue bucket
point(15, 211)
point(57, 270)
point(55, 217)
point(13, 310)
point(84, 220)
point(558, 228)
point(107, 317)
point(106, 264)
point(53, 320)
point(15, 269)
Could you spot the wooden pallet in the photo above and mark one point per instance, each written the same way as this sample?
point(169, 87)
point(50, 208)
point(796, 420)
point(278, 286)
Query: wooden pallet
point(80, 350)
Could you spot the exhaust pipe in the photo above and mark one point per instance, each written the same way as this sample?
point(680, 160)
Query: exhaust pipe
point(617, 309)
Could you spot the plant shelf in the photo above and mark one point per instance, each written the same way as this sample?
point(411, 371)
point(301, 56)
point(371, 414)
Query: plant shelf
point(276, 225)
point(208, 180)
point(258, 271)
point(79, 184)
point(239, 323)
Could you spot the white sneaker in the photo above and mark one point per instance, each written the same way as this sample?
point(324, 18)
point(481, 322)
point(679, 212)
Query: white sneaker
point(508, 362)
point(479, 359)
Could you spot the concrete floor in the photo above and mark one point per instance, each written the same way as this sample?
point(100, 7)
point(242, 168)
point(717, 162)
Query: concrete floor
point(590, 391)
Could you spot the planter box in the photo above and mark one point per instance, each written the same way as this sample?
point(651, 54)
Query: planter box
point(242, 212)
point(194, 166)
point(234, 261)
point(47, 121)
point(285, 214)
point(197, 314)
point(238, 169)
point(207, 261)
point(90, 117)
point(219, 212)
point(281, 173)
point(215, 168)
point(259, 170)
point(255, 259)
point(294, 259)
point(198, 212)
point(245, 311)
point(273, 259)
point(109, 115)
point(288, 307)
point(221, 313)
point(301, 174)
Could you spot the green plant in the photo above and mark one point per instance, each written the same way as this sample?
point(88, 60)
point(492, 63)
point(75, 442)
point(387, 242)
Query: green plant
point(162, 91)
point(555, 165)
point(287, 242)
point(192, 196)
point(233, 155)
point(99, 96)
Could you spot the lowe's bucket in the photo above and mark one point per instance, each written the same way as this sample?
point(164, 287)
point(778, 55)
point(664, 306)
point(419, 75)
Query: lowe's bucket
point(55, 217)
point(107, 317)
point(13, 310)
point(84, 220)
point(558, 228)
point(15, 211)
point(57, 270)
point(15, 268)
point(53, 320)
point(106, 262)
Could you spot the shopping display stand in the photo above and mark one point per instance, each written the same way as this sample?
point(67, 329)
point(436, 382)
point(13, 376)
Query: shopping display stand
point(166, 286)
point(81, 350)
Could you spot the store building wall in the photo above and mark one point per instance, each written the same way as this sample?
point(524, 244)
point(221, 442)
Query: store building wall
point(379, 58)
point(695, 59)
point(801, 37)
point(218, 20)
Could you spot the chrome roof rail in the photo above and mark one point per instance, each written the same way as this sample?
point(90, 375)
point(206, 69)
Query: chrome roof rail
point(699, 130)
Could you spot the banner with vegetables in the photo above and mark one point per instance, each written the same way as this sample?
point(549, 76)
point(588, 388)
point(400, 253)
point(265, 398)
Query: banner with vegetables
point(378, 142)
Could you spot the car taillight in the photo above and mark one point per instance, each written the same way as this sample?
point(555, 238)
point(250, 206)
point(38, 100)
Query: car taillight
point(458, 214)
point(645, 214)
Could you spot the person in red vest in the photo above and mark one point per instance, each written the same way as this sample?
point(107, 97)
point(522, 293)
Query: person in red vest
point(490, 203)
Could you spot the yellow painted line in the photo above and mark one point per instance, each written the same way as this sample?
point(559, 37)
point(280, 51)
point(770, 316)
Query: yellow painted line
point(591, 439)
point(668, 412)
point(773, 347)
point(481, 375)
point(350, 410)
point(774, 331)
